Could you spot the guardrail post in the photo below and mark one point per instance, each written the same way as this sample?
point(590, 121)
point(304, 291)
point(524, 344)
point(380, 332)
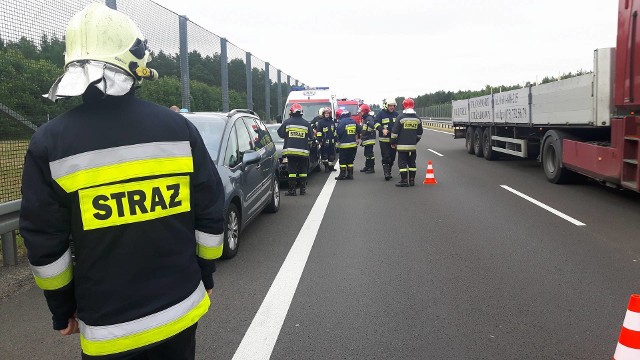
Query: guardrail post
point(9, 249)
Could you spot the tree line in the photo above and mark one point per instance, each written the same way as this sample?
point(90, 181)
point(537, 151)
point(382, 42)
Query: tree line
point(27, 70)
point(445, 97)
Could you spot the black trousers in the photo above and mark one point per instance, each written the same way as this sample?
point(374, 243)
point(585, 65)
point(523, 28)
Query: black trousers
point(368, 152)
point(181, 346)
point(297, 166)
point(407, 161)
point(347, 156)
point(388, 153)
point(328, 152)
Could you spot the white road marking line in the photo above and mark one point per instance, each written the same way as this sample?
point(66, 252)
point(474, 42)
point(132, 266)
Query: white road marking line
point(435, 152)
point(546, 207)
point(261, 337)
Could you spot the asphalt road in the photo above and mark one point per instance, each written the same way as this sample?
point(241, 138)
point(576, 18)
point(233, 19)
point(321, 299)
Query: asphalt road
point(464, 269)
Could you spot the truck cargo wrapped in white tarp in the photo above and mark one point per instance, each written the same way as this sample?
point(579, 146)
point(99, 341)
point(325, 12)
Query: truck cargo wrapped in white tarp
point(511, 107)
point(460, 111)
point(481, 109)
point(585, 100)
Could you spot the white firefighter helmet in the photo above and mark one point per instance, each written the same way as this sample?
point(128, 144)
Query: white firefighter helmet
point(388, 101)
point(99, 33)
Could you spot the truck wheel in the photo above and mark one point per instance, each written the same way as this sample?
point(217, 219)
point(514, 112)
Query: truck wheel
point(469, 140)
point(552, 158)
point(477, 142)
point(487, 149)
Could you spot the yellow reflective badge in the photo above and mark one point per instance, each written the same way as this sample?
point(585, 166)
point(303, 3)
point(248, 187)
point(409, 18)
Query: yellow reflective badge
point(410, 125)
point(134, 202)
point(297, 134)
point(351, 129)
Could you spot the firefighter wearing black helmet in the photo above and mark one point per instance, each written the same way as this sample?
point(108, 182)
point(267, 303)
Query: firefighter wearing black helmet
point(405, 134)
point(297, 135)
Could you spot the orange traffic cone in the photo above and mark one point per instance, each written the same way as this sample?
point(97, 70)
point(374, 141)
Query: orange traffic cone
point(430, 178)
point(629, 342)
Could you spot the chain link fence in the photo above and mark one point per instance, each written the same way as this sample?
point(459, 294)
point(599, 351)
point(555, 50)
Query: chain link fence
point(441, 111)
point(199, 71)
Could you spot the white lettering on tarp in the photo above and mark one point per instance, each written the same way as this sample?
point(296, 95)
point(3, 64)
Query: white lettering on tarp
point(512, 114)
point(461, 111)
point(507, 98)
point(481, 115)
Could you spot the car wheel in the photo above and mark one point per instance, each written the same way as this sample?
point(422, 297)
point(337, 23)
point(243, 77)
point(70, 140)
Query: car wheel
point(231, 232)
point(274, 205)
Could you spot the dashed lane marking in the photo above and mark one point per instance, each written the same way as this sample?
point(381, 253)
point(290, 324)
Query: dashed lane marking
point(546, 207)
point(435, 152)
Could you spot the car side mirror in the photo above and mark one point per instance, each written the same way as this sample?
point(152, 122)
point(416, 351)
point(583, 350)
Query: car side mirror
point(279, 119)
point(250, 157)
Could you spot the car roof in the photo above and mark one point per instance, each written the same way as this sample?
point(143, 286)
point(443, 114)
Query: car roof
point(219, 116)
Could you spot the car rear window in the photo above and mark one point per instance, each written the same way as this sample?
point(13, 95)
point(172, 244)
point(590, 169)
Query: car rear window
point(211, 129)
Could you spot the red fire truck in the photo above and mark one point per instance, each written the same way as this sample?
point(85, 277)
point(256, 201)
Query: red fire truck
point(352, 106)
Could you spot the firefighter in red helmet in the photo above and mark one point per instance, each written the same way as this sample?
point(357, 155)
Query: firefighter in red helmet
point(406, 132)
point(297, 135)
point(368, 138)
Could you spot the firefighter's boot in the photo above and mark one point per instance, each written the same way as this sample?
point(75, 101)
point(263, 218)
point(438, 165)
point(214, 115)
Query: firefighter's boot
point(292, 187)
point(412, 178)
point(350, 173)
point(403, 180)
point(370, 166)
point(326, 166)
point(386, 168)
point(343, 173)
point(303, 186)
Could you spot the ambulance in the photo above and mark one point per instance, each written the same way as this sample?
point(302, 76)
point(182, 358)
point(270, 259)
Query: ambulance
point(312, 99)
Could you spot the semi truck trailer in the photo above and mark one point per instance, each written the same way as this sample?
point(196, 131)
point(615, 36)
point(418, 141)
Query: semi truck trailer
point(582, 125)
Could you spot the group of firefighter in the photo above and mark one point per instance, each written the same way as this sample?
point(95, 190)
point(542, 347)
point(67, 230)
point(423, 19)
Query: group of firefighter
point(396, 133)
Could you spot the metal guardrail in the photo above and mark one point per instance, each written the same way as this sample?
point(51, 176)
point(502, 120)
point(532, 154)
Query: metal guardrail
point(444, 123)
point(9, 216)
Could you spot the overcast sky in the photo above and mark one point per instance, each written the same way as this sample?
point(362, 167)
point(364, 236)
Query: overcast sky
point(376, 49)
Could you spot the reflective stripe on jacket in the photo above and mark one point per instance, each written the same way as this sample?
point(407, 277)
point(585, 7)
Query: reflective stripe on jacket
point(134, 184)
point(297, 135)
point(406, 131)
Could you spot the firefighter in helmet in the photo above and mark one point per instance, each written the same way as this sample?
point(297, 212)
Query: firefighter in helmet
point(348, 131)
point(368, 139)
point(298, 137)
point(385, 119)
point(406, 132)
point(130, 180)
point(326, 135)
